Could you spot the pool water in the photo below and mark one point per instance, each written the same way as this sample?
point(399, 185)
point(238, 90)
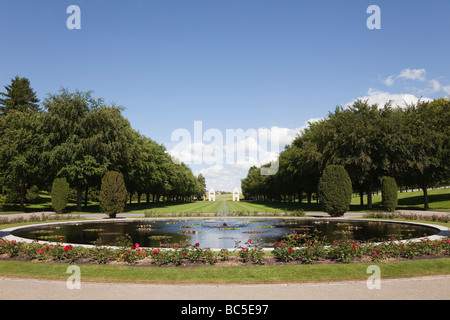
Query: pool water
point(220, 233)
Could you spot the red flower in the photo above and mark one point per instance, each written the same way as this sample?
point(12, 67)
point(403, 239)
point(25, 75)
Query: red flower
point(290, 249)
point(40, 251)
point(66, 248)
point(197, 244)
point(354, 247)
point(249, 240)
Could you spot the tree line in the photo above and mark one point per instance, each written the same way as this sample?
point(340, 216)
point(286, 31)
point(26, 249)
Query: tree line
point(410, 144)
point(75, 136)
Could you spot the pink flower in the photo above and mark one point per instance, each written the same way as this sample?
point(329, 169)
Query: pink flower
point(40, 251)
point(249, 240)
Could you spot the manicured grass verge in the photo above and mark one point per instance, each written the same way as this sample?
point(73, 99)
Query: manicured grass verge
point(224, 275)
point(439, 200)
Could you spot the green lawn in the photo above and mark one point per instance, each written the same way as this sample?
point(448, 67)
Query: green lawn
point(217, 275)
point(222, 206)
point(439, 200)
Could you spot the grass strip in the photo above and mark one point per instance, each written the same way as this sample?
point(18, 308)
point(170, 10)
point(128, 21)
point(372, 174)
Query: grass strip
point(226, 275)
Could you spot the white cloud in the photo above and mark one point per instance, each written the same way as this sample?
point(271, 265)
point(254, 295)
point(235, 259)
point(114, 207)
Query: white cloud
point(419, 75)
point(435, 86)
point(412, 74)
point(397, 99)
point(225, 160)
point(446, 89)
point(389, 81)
point(223, 177)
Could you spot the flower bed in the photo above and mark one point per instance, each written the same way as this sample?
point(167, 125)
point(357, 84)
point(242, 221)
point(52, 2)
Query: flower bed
point(308, 250)
point(294, 249)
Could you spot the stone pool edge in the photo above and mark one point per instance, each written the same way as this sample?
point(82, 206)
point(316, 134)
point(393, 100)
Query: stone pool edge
point(443, 231)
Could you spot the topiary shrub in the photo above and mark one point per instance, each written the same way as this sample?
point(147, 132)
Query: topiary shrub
point(335, 190)
point(389, 193)
point(113, 194)
point(60, 194)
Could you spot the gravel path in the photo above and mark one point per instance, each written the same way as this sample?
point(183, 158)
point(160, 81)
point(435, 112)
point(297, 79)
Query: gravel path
point(430, 288)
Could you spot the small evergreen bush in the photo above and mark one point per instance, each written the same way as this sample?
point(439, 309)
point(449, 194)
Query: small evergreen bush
point(389, 193)
point(113, 194)
point(335, 190)
point(60, 194)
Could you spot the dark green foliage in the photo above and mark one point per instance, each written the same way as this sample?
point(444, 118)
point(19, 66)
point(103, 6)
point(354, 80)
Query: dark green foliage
point(335, 190)
point(20, 142)
point(113, 194)
point(18, 96)
point(389, 193)
point(371, 141)
point(60, 194)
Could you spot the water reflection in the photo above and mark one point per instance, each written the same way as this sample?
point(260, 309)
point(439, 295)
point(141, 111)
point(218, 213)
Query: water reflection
point(221, 233)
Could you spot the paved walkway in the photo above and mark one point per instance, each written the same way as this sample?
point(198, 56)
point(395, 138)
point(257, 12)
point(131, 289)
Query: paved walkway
point(142, 215)
point(429, 288)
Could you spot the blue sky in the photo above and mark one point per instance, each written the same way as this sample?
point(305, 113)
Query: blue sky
point(231, 64)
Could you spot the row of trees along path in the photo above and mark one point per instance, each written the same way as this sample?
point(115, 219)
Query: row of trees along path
point(74, 136)
point(410, 144)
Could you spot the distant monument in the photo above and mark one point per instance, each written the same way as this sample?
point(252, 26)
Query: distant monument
point(212, 194)
point(235, 194)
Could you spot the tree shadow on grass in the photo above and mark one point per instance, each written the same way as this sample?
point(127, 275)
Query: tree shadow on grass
point(418, 200)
